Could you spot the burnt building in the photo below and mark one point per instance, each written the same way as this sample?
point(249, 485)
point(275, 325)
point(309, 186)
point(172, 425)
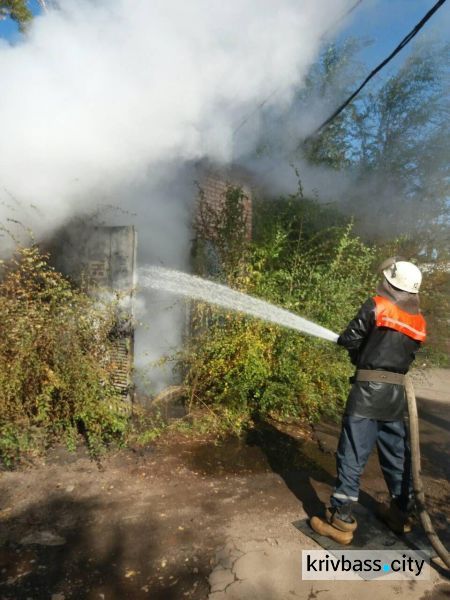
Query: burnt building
point(102, 260)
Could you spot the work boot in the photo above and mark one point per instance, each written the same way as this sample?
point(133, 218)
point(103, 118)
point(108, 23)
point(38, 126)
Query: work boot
point(342, 519)
point(396, 519)
point(334, 527)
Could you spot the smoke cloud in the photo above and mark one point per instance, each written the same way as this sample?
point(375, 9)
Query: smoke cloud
point(101, 93)
point(108, 101)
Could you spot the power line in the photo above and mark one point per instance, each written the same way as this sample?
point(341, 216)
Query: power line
point(400, 47)
point(276, 90)
point(341, 18)
point(255, 110)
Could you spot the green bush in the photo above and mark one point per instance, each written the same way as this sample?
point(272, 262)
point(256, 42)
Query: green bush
point(306, 259)
point(55, 361)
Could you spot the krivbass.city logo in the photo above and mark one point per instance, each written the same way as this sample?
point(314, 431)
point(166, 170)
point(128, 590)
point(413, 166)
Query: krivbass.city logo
point(365, 564)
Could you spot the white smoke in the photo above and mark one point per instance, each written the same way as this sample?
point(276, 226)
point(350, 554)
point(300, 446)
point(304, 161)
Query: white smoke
point(102, 98)
point(99, 92)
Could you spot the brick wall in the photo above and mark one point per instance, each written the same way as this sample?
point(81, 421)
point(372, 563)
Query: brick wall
point(214, 186)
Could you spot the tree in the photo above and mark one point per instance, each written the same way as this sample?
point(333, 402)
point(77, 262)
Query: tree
point(392, 140)
point(403, 145)
point(329, 82)
point(17, 10)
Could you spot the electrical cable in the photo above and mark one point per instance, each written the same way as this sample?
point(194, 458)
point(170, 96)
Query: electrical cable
point(405, 41)
point(344, 16)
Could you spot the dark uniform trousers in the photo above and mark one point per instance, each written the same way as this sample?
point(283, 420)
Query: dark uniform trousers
point(375, 412)
point(357, 440)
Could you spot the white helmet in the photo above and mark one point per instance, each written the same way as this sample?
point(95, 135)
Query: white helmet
point(404, 276)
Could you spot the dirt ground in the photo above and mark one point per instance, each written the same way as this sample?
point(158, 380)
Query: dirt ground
point(197, 519)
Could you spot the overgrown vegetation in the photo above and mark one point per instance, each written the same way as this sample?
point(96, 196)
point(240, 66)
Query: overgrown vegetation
point(55, 356)
point(305, 258)
point(55, 362)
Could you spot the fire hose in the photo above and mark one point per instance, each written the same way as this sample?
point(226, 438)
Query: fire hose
point(419, 494)
point(220, 295)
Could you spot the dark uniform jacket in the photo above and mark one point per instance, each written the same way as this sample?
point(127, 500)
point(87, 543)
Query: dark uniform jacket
point(380, 348)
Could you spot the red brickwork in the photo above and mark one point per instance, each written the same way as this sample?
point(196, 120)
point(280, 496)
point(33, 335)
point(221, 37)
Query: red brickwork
point(213, 190)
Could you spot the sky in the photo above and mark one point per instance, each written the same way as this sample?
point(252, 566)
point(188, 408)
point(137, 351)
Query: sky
point(9, 29)
point(386, 22)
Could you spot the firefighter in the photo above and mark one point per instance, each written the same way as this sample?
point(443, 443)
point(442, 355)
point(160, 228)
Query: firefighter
point(382, 341)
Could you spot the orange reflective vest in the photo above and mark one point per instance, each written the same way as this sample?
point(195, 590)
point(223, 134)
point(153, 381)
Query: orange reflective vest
point(389, 315)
